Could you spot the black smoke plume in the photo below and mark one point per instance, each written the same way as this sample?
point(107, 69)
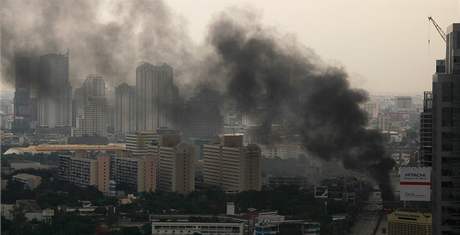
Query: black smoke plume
point(251, 65)
point(294, 86)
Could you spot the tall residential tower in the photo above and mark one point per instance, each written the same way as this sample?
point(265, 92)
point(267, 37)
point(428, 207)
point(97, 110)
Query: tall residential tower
point(156, 94)
point(125, 109)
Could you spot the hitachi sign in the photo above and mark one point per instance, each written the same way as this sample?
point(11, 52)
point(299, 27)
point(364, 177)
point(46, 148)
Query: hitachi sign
point(414, 174)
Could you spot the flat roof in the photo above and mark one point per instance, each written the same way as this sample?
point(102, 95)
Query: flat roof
point(47, 148)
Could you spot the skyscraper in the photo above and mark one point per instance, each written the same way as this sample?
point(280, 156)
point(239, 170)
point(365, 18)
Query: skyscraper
point(446, 139)
point(156, 93)
point(125, 109)
point(231, 165)
point(54, 102)
point(26, 72)
point(90, 110)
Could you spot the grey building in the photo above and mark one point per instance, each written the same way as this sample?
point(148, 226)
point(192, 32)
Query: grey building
point(125, 109)
point(446, 139)
point(25, 72)
point(156, 94)
point(54, 103)
point(90, 108)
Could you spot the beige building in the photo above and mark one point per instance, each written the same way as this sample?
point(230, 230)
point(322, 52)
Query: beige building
point(83, 170)
point(137, 173)
point(176, 167)
point(409, 223)
point(231, 165)
point(139, 144)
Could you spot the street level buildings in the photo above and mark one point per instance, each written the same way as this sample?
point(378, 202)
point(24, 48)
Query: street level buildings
point(196, 224)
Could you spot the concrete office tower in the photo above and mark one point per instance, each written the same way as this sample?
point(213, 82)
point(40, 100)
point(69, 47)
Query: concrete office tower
point(91, 107)
point(136, 174)
point(54, 93)
point(231, 165)
point(25, 72)
point(156, 94)
point(86, 171)
point(176, 166)
point(426, 130)
point(125, 109)
point(446, 139)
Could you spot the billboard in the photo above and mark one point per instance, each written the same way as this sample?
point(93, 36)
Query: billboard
point(321, 192)
point(415, 183)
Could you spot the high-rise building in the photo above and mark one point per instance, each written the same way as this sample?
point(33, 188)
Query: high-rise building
point(136, 174)
point(25, 71)
point(156, 94)
point(426, 130)
point(446, 138)
point(125, 109)
point(91, 108)
point(84, 170)
point(176, 166)
point(231, 165)
point(54, 93)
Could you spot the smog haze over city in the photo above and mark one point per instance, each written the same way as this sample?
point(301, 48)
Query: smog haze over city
point(236, 117)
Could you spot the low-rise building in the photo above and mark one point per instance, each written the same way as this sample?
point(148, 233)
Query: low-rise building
point(404, 222)
point(30, 181)
point(196, 224)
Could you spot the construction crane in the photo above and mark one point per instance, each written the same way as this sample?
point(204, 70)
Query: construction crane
point(440, 31)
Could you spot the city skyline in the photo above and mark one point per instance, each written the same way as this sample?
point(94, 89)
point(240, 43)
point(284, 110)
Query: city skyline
point(230, 117)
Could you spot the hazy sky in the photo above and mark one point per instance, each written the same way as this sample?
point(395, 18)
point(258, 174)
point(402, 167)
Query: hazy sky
point(383, 44)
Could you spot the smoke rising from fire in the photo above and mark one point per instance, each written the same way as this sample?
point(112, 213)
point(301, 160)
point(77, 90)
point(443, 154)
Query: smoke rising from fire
point(244, 61)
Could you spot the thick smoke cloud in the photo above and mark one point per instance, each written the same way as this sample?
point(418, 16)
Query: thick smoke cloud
point(312, 99)
point(104, 37)
point(243, 61)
